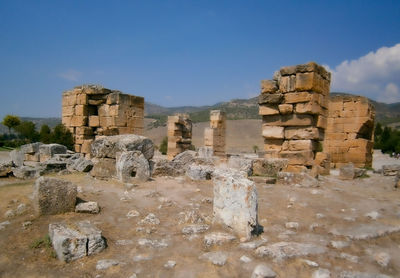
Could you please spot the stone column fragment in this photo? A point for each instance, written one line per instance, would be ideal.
(214, 136)
(179, 134)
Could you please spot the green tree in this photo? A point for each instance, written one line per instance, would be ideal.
(63, 136)
(164, 145)
(255, 148)
(45, 134)
(11, 121)
(27, 130)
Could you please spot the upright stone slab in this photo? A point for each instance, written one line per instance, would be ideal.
(214, 136)
(132, 166)
(53, 196)
(179, 134)
(91, 110)
(294, 110)
(350, 128)
(235, 202)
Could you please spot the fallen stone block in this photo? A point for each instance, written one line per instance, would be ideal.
(17, 157)
(104, 168)
(132, 166)
(235, 202)
(82, 165)
(47, 151)
(349, 172)
(165, 167)
(365, 231)
(241, 164)
(390, 170)
(53, 196)
(263, 271)
(87, 207)
(109, 146)
(268, 167)
(31, 148)
(200, 172)
(75, 241)
(195, 229)
(27, 172)
(53, 166)
(6, 168)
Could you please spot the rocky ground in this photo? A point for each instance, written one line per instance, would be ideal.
(162, 228)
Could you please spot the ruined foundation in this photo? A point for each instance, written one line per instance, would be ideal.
(349, 134)
(91, 110)
(294, 109)
(214, 136)
(179, 134)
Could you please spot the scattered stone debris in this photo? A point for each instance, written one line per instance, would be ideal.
(170, 264)
(150, 219)
(4, 224)
(218, 258)
(263, 271)
(351, 274)
(245, 259)
(195, 229)
(365, 231)
(390, 170)
(253, 244)
(321, 273)
(87, 207)
(105, 264)
(286, 250)
(382, 259)
(218, 238)
(349, 172)
(200, 172)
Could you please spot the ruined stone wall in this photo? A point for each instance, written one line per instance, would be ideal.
(90, 110)
(294, 109)
(214, 136)
(349, 134)
(179, 134)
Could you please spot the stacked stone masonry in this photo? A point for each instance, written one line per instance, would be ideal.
(90, 110)
(179, 134)
(294, 110)
(214, 136)
(350, 129)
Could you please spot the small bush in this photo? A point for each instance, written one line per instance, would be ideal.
(164, 145)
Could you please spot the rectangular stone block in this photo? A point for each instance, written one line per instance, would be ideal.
(298, 157)
(275, 98)
(79, 121)
(311, 81)
(273, 144)
(265, 110)
(86, 146)
(68, 111)
(310, 107)
(66, 120)
(322, 122)
(287, 83)
(94, 121)
(69, 99)
(299, 145)
(104, 110)
(82, 99)
(304, 133)
(285, 108)
(289, 120)
(105, 121)
(77, 148)
(268, 86)
(84, 130)
(273, 132)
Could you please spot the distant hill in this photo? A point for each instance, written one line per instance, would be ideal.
(51, 122)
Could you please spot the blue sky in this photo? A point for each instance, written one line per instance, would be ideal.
(190, 52)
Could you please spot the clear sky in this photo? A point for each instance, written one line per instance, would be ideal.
(190, 52)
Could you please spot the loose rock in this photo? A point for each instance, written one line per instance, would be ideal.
(217, 258)
(263, 271)
(105, 264)
(87, 207)
(217, 238)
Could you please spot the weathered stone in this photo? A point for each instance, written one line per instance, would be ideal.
(348, 172)
(206, 152)
(263, 271)
(75, 241)
(30, 148)
(235, 202)
(106, 264)
(53, 166)
(82, 165)
(165, 167)
(321, 273)
(179, 134)
(365, 231)
(253, 244)
(241, 164)
(268, 86)
(218, 238)
(217, 258)
(350, 274)
(27, 172)
(382, 259)
(199, 172)
(6, 168)
(87, 207)
(286, 250)
(268, 167)
(297, 179)
(390, 170)
(104, 168)
(270, 98)
(53, 196)
(47, 151)
(109, 146)
(273, 132)
(17, 157)
(170, 264)
(152, 243)
(195, 229)
(132, 166)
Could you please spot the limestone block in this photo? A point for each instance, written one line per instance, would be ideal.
(81, 110)
(235, 202)
(304, 133)
(69, 99)
(106, 121)
(53, 196)
(94, 121)
(268, 167)
(273, 144)
(296, 169)
(104, 110)
(273, 132)
(312, 81)
(299, 145)
(271, 154)
(68, 111)
(114, 110)
(78, 121)
(77, 148)
(32, 157)
(287, 83)
(118, 121)
(80, 139)
(268, 110)
(268, 86)
(82, 99)
(298, 157)
(322, 122)
(289, 120)
(84, 130)
(103, 168)
(137, 101)
(289, 70)
(275, 98)
(298, 97)
(132, 166)
(323, 160)
(285, 108)
(113, 98)
(30, 148)
(310, 107)
(86, 146)
(47, 151)
(66, 120)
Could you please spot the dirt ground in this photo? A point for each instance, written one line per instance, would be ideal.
(334, 205)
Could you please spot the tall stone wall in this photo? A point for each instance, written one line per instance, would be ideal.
(349, 134)
(214, 136)
(179, 134)
(294, 110)
(91, 110)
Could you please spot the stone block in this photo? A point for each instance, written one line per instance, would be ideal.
(322, 122)
(32, 157)
(273, 144)
(311, 81)
(323, 161)
(104, 168)
(310, 107)
(289, 120)
(268, 86)
(77, 148)
(86, 146)
(68, 111)
(82, 99)
(84, 130)
(298, 157)
(273, 132)
(287, 84)
(53, 196)
(78, 121)
(69, 99)
(299, 145)
(268, 167)
(81, 110)
(106, 121)
(94, 121)
(235, 202)
(275, 98)
(66, 120)
(265, 110)
(132, 167)
(285, 108)
(304, 133)
(104, 110)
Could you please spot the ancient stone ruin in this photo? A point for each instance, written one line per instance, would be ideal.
(294, 110)
(350, 129)
(179, 134)
(214, 136)
(91, 110)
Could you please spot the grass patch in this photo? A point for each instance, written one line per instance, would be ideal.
(44, 242)
(5, 149)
